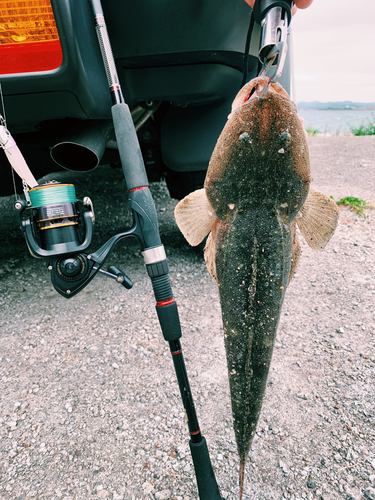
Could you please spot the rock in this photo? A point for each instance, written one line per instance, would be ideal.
(163, 495)
(147, 488)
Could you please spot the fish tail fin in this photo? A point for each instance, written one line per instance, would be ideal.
(242, 476)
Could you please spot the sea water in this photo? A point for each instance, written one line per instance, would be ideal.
(335, 121)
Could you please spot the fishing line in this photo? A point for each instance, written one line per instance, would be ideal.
(2, 105)
(56, 215)
(52, 194)
(247, 48)
(3, 121)
(14, 183)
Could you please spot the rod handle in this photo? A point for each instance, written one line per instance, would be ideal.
(128, 146)
(206, 481)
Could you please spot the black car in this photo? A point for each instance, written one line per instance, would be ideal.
(180, 64)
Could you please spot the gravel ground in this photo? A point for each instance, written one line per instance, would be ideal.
(90, 406)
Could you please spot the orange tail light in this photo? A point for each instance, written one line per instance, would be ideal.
(29, 40)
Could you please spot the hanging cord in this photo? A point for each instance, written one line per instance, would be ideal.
(247, 48)
(3, 121)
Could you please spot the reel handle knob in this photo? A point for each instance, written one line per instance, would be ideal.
(121, 277)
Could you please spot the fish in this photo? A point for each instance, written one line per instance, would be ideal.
(256, 192)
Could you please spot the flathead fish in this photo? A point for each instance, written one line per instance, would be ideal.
(257, 189)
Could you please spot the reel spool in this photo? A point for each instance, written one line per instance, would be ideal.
(50, 222)
(56, 214)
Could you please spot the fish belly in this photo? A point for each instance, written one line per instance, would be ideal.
(253, 259)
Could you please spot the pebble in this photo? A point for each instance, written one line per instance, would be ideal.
(147, 487)
(163, 495)
(302, 396)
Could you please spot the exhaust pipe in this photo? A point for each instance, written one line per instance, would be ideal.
(83, 149)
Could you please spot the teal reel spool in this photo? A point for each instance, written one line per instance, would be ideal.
(52, 193)
(56, 215)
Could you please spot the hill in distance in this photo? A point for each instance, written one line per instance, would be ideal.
(335, 105)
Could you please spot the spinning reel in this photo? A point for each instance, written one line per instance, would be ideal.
(50, 220)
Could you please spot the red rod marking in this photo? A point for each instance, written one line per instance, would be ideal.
(176, 352)
(195, 432)
(137, 189)
(165, 302)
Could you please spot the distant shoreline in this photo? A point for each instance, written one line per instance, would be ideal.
(340, 109)
(339, 121)
(336, 105)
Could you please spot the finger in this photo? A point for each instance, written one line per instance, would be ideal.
(303, 4)
(299, 4)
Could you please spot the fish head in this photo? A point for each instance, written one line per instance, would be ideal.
(261, 157)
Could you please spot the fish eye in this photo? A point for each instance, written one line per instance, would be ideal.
(251, 93)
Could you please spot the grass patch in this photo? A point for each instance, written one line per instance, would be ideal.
(355, 204)
(312, 131)
(367, 127)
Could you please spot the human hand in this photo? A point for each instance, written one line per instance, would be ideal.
(298, 4)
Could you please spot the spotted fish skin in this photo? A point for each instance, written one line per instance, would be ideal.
(256, 191)
(252, 269)
(257, 181)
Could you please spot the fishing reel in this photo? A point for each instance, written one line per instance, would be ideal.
(50, 220)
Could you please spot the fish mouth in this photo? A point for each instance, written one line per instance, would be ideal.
(254, 90)
(258, 91)
(257, 88)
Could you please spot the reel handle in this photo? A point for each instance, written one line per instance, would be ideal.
(121, 277)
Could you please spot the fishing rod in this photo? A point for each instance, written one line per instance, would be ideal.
(144, 212)
(50, 219)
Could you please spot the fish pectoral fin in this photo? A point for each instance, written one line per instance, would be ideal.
(317, 219)
(210, 256)
(195, 216)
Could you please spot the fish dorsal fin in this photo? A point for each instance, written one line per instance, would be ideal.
(317, 219)
(210, 256)
(195, 216)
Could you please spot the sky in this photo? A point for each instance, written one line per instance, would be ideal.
(334, 51)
